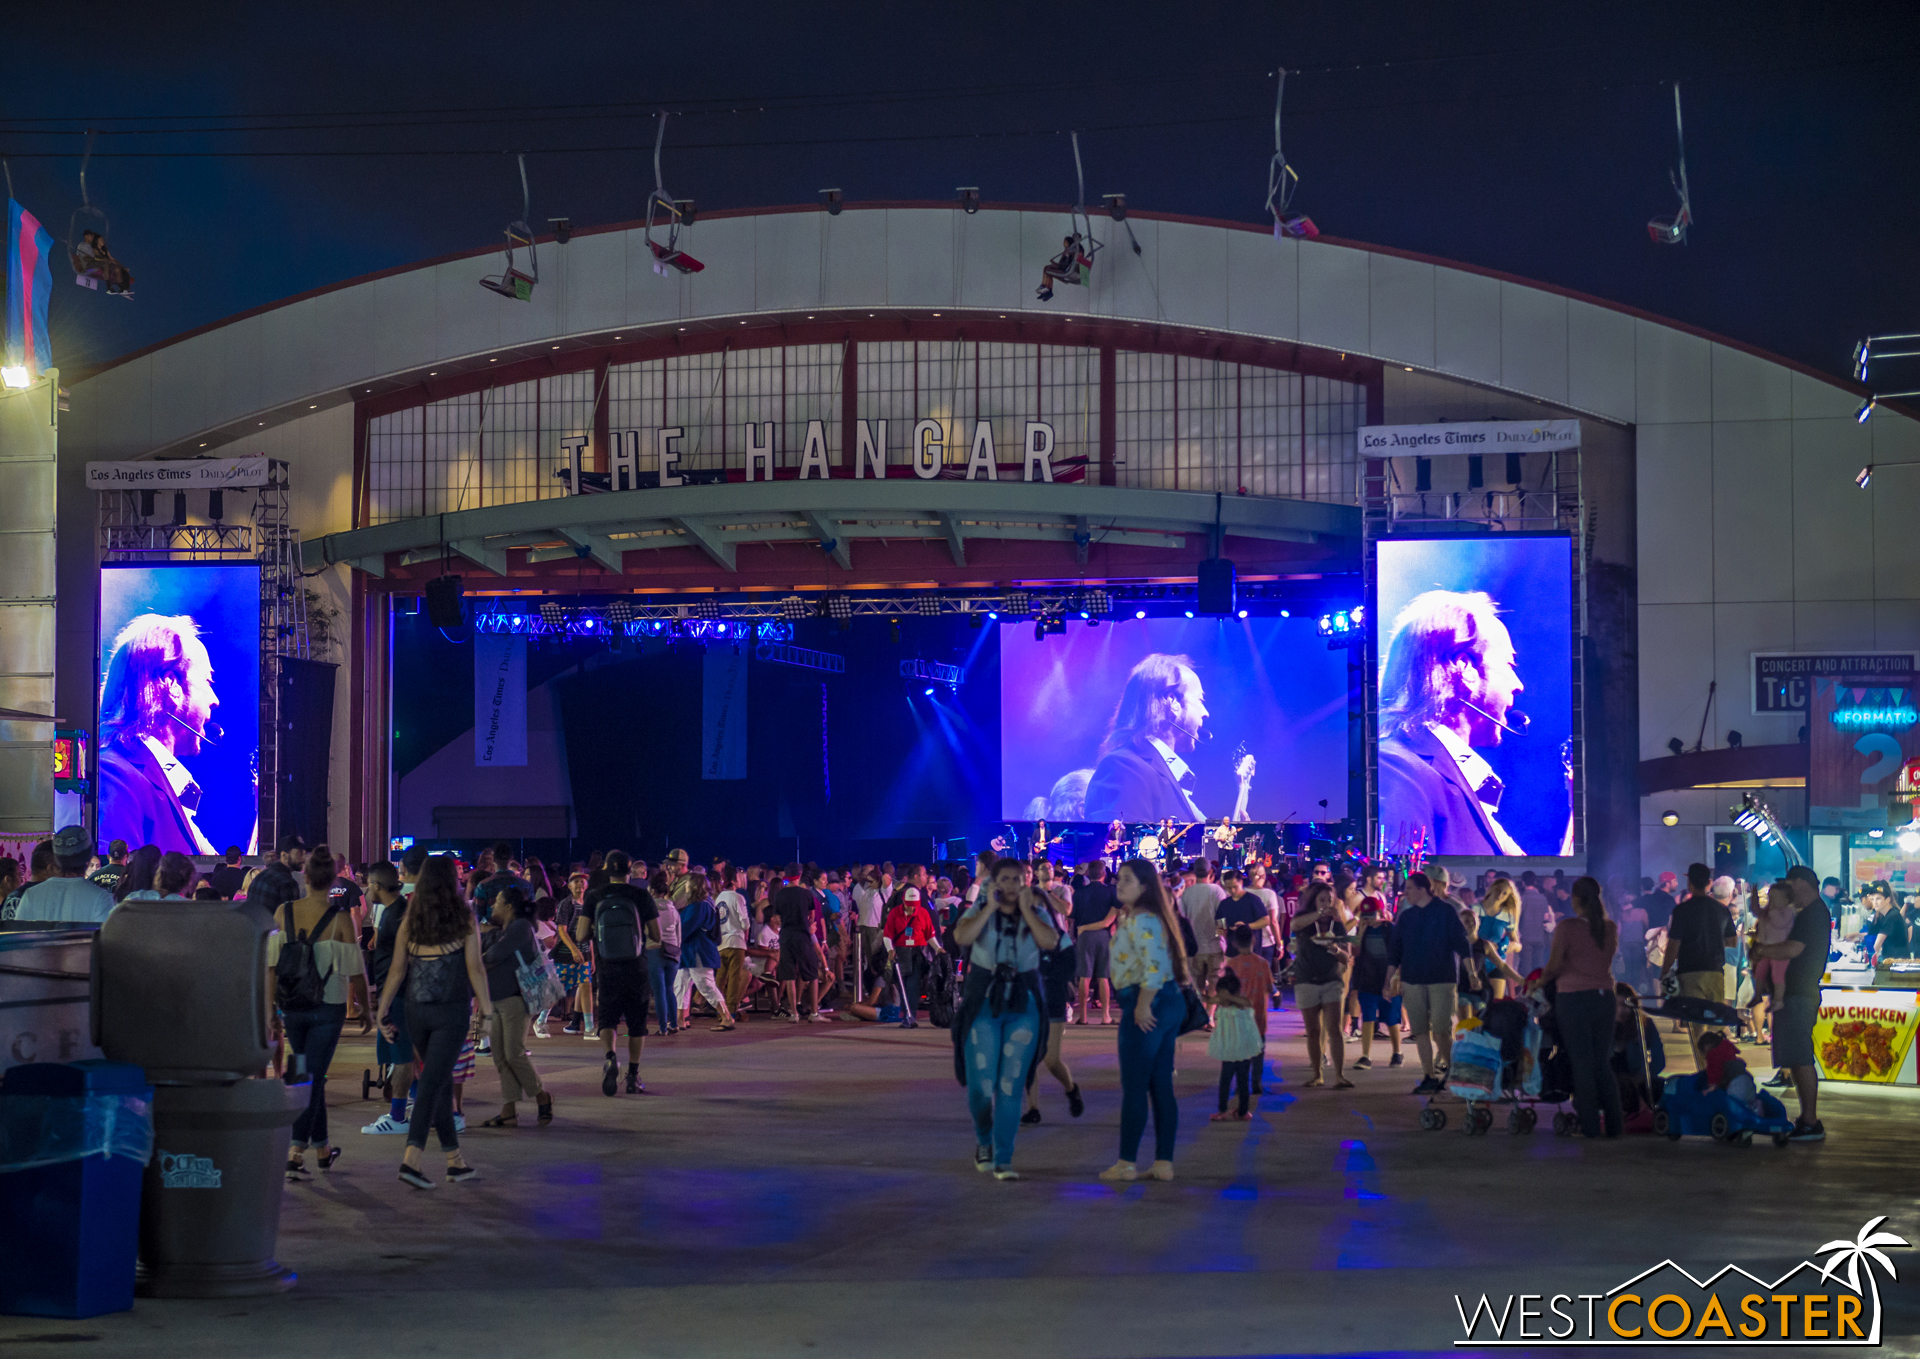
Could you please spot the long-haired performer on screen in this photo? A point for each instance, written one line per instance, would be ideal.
(156, 703)
(1447, 687)
(1141, 775)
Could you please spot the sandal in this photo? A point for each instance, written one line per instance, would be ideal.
(509, 1120)
(1315, 1082)
(1343, 1084)
(723, 1028)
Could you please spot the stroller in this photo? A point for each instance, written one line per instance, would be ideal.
(943, 988)
(1509, 1059)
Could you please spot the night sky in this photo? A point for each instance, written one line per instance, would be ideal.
(1526, 138)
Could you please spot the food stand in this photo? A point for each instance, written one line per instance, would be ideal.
(1864, 1031)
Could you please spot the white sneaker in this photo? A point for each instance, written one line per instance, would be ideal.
(540, 1031)
(386, 1123)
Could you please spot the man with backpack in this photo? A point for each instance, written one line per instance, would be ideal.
(622, 919)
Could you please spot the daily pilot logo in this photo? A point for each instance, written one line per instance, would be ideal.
(1808, 1305)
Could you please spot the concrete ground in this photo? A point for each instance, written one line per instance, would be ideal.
(809, 1190)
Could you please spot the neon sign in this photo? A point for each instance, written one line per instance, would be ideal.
(1899, 715)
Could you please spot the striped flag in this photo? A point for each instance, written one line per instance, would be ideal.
(29, 281)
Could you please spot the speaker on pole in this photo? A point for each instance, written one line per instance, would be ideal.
(443, 602)
(1216, 594)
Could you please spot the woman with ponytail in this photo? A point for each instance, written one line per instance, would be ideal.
(1581, 967)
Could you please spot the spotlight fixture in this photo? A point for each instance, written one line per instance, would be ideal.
(969, 200)
(1189, 613)
(839, 607)
(973, 620)
(994, 614)
(1286, 613)
(707, 608)
(1860, 356)
(620, 612)
(793, 608)
(1676, 745)
(553, 615)
(1734, 739)
(927, 692)
(1865, 412)
(928, 606)
(831, 199)
(1019, 602)
(1139, 613)
(562, 229)
(1098, 603)
(1669, 818)
(893, 631)
(1243, 613)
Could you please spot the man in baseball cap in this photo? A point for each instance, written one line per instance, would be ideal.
(67, 895)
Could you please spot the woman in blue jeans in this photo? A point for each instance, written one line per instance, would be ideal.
(1148, 966)
(313, 1031)
(1002, 1025)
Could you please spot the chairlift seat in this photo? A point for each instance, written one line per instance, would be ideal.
(1297, 225)
(512, 284)
(1663, 231)
(665, 258)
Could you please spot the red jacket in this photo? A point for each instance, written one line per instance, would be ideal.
(908, 925)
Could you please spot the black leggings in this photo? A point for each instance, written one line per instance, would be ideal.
(437, 1031)
(1240, 1073)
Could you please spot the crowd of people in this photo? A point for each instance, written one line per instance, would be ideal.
(450, 962)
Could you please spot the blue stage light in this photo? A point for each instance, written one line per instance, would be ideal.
(928, 691)
(1243, 613)
(1139, 613)
(1189, 613)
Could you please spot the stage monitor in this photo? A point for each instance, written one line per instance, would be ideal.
(1475, 642)
(179, 716)
(1144, 719)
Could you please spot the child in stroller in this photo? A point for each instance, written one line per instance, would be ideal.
(1503, 1060)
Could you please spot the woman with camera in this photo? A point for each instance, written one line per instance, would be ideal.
(1148, 966)
(1002, 1022)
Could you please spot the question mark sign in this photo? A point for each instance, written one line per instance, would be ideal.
(1888, 749)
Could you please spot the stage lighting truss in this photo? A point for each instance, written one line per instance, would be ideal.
(935, 672)
(1018, 603)
(929, 606)
(839, 607)
(793, 608)
(706, 608)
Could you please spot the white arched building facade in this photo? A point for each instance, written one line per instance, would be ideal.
(1723, 516)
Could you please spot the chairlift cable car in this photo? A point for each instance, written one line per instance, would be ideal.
(1673, 230)
(1075, 260)
(512, 282)
(1283, 181)
(93, 263)
(673, 214)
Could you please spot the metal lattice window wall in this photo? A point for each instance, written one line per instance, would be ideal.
(1180, 423)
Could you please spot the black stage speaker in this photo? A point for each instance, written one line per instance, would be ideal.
(443, 602)
(1216, 588)
(306, 739)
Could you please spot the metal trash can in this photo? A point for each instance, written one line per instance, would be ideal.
(74, 1141)
(211, 1211)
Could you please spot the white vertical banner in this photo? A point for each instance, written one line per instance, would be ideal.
(723, 713)
(499, 700)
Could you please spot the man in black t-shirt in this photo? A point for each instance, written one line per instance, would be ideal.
(794, 907)
(1886, 928)
(226, 879)
(1697, 940)
(1094, 911)
(108, 875)
(1658, 902)
(620, 984)
(1805, 950)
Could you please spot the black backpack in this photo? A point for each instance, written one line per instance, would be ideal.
(298, 982)
(616, 928)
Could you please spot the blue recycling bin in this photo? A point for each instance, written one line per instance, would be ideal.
(75, 1139)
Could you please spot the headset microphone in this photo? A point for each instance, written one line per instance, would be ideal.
(1520, 719)
(212, 733)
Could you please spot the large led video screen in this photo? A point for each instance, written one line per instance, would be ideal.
(179, 718)
(1194, 719)
(1475, 642)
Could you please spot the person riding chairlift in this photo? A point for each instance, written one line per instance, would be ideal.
(1067, 267)
(92, 260)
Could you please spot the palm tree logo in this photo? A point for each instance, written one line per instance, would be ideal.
(1865, 1246)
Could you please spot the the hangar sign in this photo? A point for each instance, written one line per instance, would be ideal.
(651, 458)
